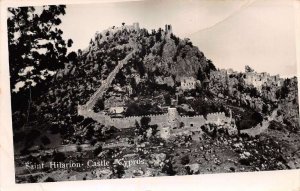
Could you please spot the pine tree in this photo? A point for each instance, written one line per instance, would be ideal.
(35, 42)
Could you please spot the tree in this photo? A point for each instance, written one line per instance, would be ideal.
(200, 75)
(167, 99)
(145, 121)
(78, 148)
(49, 179)
(176, 39)
(265, 109)
(120, 78)
(32, 136)
(72, 56)
(158, 35)
(257, 117)
(59, 157)
(36, 46)
(99, 106)
(97, 150)
(137, 125)
(185, 160)
(211, 65)
(45, 140)
(168, 168)
(119, 171)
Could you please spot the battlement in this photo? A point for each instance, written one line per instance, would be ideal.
(216, 114)
(111, 30)
(171, 117)
(166, 122)
(194, 116)
(134, 27)
(168, 29)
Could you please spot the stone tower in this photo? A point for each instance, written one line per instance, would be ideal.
(136, 26)
(173, 117)
(168, 29)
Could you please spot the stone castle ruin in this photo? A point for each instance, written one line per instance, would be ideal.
(168, 30)
(259, 79)
(188, 83)
(134, 27)
(166, 122)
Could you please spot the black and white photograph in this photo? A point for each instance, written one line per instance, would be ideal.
(132, 89)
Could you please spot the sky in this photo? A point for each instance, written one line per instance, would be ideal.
(232, 33)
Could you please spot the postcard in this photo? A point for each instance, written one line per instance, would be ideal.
(139, 89)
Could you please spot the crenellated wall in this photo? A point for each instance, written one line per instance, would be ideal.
(193, 121)
(199, 120)
(166, 119)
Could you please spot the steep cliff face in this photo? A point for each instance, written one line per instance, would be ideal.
(288, 104)
(176, 57)
(273, 93)
(157, 51)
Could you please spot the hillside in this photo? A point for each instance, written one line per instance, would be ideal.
(157, 52)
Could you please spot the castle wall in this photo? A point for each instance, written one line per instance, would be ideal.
(194, 121)
(216, 117)
(167, 119)
(127, 122)
(122, 123)
(199, 120)
(257, 130)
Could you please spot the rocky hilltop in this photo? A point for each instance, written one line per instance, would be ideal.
(159, 51)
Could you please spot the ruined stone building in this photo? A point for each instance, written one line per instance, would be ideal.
(188, 83)
(260, 79)
(168, 30)
(116, 110)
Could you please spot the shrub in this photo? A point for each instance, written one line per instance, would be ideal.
(49, 179)
(59, 157)
(33, 134)
(99, 105)
(119, 171)
(45, 140)
(145, 121)
(19, 136)
(54, 129)
(257, 117)
(185, 160)
(97, 151)
(168, 169)
(78, 148)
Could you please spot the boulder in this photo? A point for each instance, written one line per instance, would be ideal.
(193, 168)
(157, 159)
